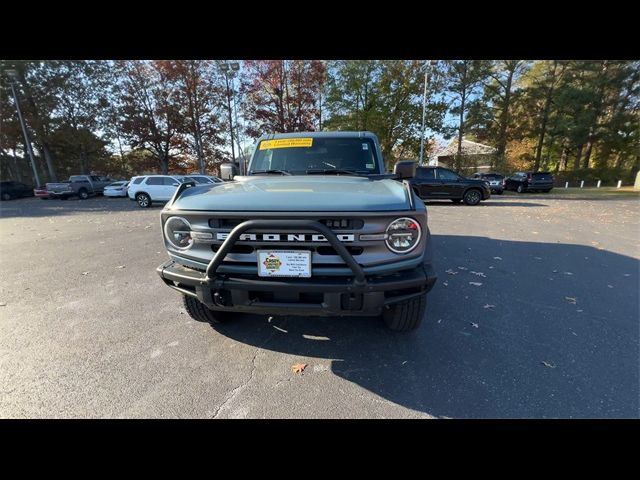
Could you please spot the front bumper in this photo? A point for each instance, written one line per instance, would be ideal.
(323, 296)
(354, 294)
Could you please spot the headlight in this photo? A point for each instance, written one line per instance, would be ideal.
(403, 235)
(177, 231)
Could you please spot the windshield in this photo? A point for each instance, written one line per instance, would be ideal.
(302, 155)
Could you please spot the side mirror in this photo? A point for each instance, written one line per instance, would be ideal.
(228, 171)
(405, 169)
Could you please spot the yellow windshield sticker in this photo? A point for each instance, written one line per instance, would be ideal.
(286, 143)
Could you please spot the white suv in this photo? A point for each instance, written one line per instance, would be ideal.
(152, 188)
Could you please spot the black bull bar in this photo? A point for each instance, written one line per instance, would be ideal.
(227, 245)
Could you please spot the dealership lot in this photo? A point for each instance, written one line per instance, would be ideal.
(535, 314)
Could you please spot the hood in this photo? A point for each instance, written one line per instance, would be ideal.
(298, 193)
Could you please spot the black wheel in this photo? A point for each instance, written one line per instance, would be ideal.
(143, 200)
(6, 196)
(520, 189)
(83, 194)
(200, 312)
(456, 200)
(406, 316)
(472, 197)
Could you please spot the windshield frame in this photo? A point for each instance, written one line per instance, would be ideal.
(259, 163)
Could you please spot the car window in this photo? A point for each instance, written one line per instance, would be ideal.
(542, 176)
(170, 181)
(78, 178)
(426, 173)
(155, 181)
(447, 175)
(138, 180)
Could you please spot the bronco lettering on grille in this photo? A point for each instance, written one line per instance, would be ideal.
(291, 237)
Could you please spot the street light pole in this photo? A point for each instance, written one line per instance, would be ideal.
(424, 109)
(25, 133)
(225, 68)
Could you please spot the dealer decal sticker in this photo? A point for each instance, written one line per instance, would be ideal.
(286, 143)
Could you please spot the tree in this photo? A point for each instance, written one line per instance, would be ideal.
(464, 79)
(150, 110)
(491, 116)
(200, 95)
(384, 97)
(281, 95)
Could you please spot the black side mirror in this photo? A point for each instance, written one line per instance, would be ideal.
(228, 171)
(405, 169)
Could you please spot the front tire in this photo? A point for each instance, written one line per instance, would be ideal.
(200, 312)
(144, 201)
(472, 197)
(6, 196)
(83, 194)
(406, 316)
(520, 189)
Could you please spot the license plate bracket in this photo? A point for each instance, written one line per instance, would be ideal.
(284, 263)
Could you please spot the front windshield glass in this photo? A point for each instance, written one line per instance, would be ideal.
(301, 155)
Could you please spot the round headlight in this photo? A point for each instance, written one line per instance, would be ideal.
(177, 231)
(403, 235)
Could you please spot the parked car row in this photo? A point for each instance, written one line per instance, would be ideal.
(436, 183)
(156, 187)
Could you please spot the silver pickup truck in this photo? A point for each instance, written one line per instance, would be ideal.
(81, 186)
(315, 228)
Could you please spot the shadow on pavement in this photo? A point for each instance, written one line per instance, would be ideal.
(551, 332)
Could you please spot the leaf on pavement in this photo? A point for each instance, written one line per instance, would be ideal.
(571, 300)
(479, 274)
(121, 266)
(474, 325)
(546, 364)
(451, 272)
(3, 304)
(497, 258)
(463, 268)
(85, 273)
(477, 284)
(489, 306)
(567, 273)
(298, 367)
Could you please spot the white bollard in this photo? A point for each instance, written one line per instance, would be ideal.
(582, 184)
(566, 185)
(619, 183)
(599, 182)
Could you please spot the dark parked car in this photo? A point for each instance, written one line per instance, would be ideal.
(529, 182)
(435, 183)
(495, 181)
(11, 189)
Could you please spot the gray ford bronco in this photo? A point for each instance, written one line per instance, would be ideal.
(315, 228)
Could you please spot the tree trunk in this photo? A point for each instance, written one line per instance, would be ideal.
(545, 116)
(576, 162)
(587, 153)
(83, 160)
(39, 127)
(504, 121)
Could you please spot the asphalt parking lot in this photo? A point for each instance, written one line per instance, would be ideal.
(535, 314)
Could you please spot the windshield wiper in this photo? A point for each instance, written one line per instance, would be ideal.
(337, 171)
(281, 172)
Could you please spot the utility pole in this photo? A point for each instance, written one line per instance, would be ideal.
(12, 75)
(424, 108)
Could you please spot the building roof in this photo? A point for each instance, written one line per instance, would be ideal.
(468, 148)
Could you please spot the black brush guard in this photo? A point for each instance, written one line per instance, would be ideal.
(340, 296)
